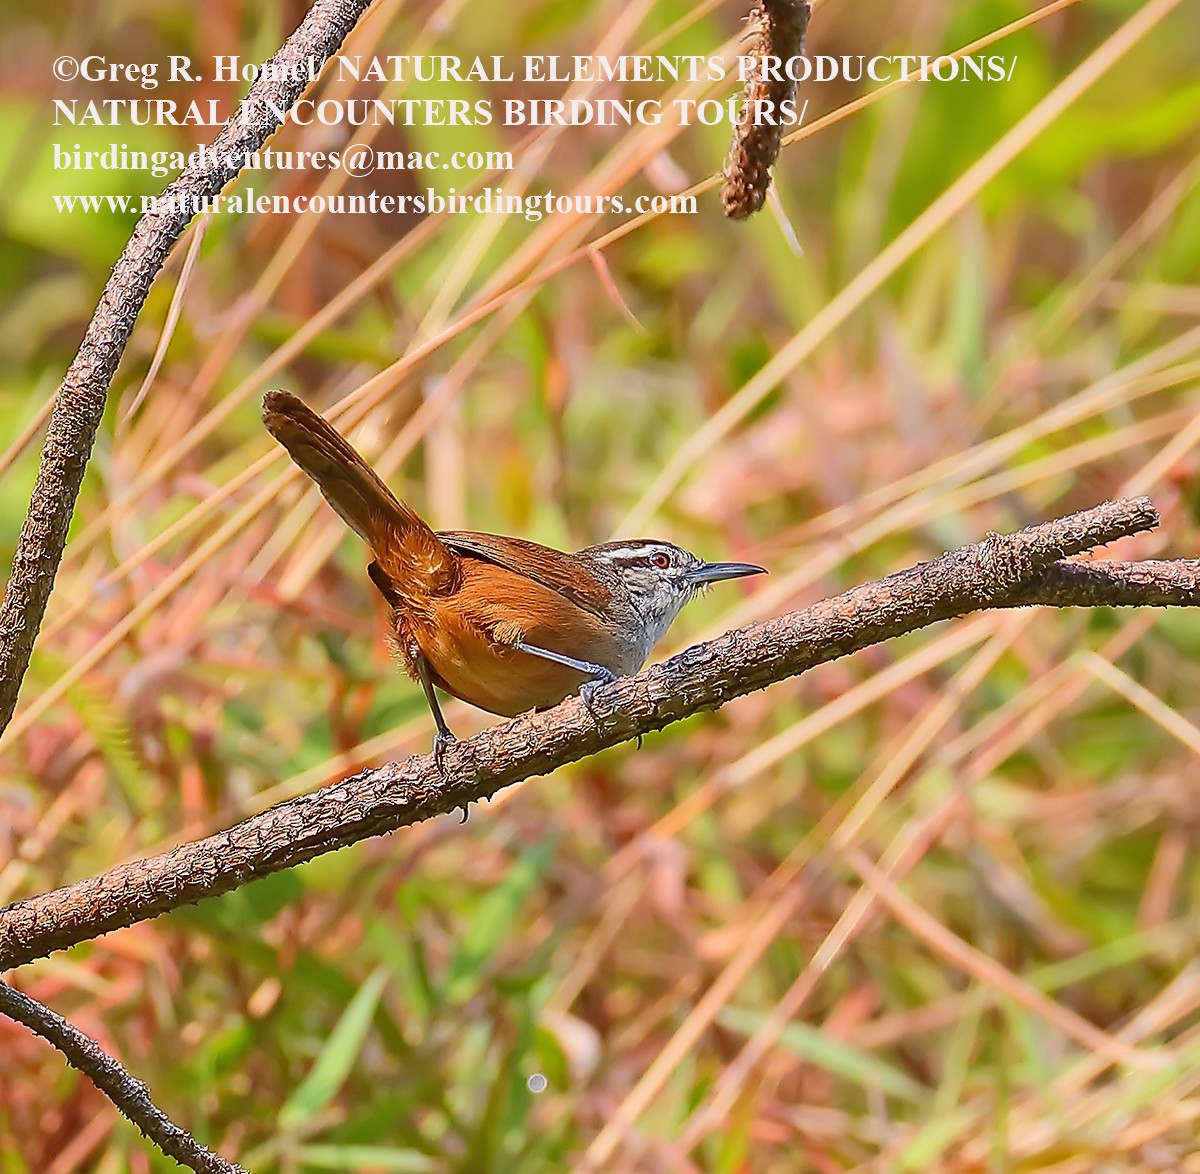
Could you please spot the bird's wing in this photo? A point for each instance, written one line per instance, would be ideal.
(559, 572)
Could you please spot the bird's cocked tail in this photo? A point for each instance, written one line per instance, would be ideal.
(408, 552)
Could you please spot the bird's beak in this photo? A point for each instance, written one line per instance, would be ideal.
(707, 573)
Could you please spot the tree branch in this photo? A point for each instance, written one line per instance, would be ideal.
(81, 398)
(1105, 583)
(78, 409)
(1013, 571)
(128, 1093)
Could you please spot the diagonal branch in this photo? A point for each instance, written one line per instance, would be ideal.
(128, 1093)
(81, 398)
(1003, 571)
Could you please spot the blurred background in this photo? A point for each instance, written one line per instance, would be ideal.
(931, 907)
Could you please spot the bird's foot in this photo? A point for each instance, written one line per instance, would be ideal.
(587, 690)
(442, 741)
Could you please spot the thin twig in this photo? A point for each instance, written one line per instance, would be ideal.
(81, 398)
(128, 1093)
(1013, 571)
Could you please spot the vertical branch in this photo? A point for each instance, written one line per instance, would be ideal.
(82, 396)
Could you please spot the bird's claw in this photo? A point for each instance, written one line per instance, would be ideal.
(588, 689)
(442, 741)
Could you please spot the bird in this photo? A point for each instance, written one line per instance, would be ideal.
(505, 624)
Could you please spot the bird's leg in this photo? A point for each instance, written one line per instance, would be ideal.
(597, 673)
(444, 738)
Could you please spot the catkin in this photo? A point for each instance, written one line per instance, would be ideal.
(777, 28)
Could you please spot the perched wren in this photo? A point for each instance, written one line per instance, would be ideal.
(502, 623)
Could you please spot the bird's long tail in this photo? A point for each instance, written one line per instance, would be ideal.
(409, 553)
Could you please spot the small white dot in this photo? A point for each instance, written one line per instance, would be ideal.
(537, 1083)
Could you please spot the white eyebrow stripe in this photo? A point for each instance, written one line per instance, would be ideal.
(628, 554)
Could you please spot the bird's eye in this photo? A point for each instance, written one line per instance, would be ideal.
(660, 559)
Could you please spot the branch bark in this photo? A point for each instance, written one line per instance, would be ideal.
(84, 390)
(128, 1093)
(1013, 571)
